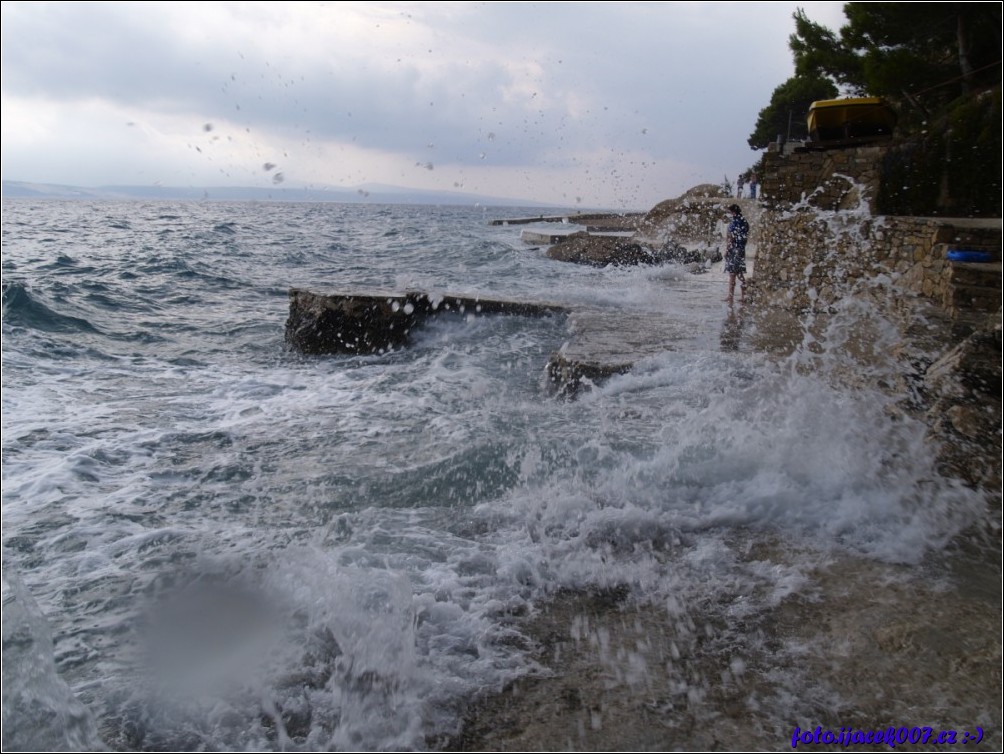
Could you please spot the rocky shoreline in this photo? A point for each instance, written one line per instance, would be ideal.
(957, 388)
(886, 647)
(864, 645)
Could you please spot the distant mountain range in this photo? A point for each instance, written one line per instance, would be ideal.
(369, 194)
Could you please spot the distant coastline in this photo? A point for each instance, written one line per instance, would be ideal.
(369, 194)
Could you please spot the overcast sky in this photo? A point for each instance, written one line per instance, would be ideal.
(605, 104)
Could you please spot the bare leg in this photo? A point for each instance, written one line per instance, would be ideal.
(732, 286)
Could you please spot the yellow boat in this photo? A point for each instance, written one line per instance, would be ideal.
(850, 118)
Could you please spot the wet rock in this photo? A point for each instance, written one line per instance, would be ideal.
(366, 323)
(707, 190)
(671, 251)
(600, 251)
(320, 324)
(971, 421)
(886, 644)
(963, 388)
(567, 377)
(688, 219)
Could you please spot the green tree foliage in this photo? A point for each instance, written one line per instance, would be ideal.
(939, 66)
(952, 168)
(819, 53)
(785, 115)
(925, 53)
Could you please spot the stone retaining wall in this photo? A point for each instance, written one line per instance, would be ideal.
(807, 258)
(819, 246)
(830, 179)
(818, 235)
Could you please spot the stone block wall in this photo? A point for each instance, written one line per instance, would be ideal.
(827, 179)
(820, 246)
(818, 235)
(807, 258)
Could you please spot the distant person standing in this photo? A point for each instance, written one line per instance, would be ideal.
(739, 184)
(735, 252)
(752, 185)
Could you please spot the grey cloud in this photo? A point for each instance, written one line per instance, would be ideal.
(678, 82)
(77, 51)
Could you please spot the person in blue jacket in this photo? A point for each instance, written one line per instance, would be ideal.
(735, 251)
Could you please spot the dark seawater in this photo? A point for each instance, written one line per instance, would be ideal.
(210, 542)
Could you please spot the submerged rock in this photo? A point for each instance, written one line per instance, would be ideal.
(566, 376)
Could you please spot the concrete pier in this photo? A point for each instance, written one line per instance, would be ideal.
(363, 322)
(542, 239)
(545, 238)
(598, 221)
(602, 342)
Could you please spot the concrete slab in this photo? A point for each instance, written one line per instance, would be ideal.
(601, 341)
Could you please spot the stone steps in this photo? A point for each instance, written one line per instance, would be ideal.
(974, 287)
(974, 290)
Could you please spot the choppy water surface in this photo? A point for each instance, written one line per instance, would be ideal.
(210, 542)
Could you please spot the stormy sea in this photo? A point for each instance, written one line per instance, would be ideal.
(211, 542)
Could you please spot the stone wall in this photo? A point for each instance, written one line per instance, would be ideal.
(820, 247)
(827, 179)
(808, 258)
(818, 235)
